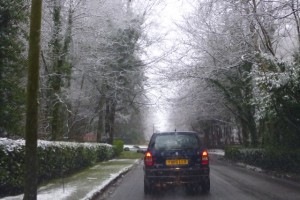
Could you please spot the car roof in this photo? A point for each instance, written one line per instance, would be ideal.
(155, 135)
(174, 132)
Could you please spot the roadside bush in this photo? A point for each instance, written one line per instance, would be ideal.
(118, 146)
(281, 160)
(11, 170)
(253, 156)
(56, 159)
(105, 153)
(233, 153)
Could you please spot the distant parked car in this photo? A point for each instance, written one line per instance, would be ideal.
(176, 158)
(134, 148)
(142, 150)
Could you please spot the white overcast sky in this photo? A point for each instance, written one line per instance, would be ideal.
(163, 19)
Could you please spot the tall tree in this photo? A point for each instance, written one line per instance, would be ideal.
(57, 67)
(13, 15)
(31, 165)
(111, 72)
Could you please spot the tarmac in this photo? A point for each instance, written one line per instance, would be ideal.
(84, 185)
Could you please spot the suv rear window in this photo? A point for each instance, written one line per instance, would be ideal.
(176, 141)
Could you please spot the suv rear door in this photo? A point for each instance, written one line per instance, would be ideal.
(175, 149)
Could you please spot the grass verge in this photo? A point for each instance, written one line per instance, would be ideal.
(130, 155)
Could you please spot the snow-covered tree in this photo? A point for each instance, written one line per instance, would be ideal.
(58, 19)
(241, 48)
(108, 73)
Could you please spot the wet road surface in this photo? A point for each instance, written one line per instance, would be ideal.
(227, 182)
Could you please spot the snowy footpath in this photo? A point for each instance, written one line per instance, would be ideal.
(84, 185)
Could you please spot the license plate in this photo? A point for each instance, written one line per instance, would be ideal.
(177, 162)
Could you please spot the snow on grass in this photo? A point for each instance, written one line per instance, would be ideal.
(104, 184)
(219, 152)
(48, 194)
(84, 185)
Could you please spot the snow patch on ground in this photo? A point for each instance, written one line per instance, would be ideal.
(219, 152)
(105, 183)
(48, 194)
(250, 167)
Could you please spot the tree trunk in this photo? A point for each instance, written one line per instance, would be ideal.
(100, 120)
(112, 122)
(61, 71)
(106, 123)
(31, 165)
(56, 122)
(245, 133)
(253, 132)
(239, 135)
(297, 21)
(110, 112)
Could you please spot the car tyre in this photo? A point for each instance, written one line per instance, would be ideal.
(205, 186)
(190, 189)
(147, 188)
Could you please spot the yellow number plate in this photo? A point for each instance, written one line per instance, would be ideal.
(177, 162)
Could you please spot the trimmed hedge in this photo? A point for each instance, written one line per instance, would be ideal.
(269, 159)
(118, 146)
(55, 159)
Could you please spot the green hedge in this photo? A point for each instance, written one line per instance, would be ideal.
(118, 146)
(56, 159)
(281, 160)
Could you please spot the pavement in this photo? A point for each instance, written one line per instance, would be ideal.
(84, 185)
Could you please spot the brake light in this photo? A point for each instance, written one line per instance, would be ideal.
(148, 159)
(204, 157)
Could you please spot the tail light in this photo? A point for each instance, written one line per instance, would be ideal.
(204, 157)
(148, 159)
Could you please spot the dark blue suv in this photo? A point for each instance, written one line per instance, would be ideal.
(176, 158)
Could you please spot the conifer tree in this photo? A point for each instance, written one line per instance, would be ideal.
(13, 14)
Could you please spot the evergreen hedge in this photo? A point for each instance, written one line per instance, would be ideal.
(272, 159)
(118, 146)
(56, 159)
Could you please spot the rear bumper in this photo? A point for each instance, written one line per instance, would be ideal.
(176, 176)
